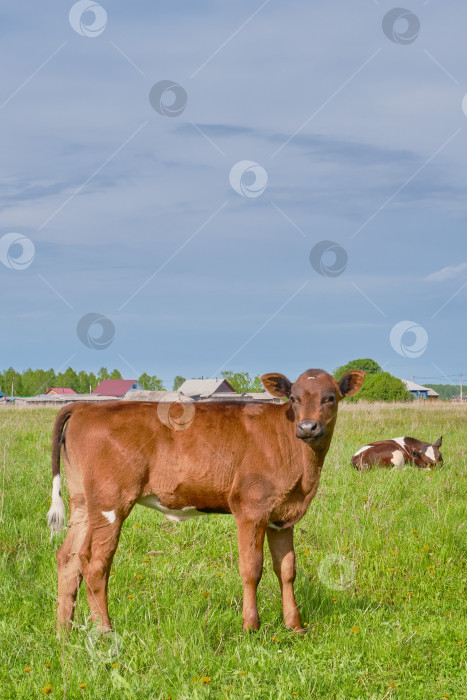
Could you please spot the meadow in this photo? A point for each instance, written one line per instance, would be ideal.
(380, 583)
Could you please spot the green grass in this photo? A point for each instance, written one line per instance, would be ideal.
(387, 622)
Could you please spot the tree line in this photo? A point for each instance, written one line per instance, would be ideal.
(32, 382)
(378, 385)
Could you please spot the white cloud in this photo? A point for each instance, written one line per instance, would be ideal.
(447, 273)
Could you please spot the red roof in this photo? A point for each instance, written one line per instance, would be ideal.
(60, 390)
(115, 387)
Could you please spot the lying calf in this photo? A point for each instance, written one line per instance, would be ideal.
(397, 452)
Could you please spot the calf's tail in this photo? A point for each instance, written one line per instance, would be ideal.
(56, 514)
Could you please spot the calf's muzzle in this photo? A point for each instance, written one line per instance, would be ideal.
(309, 429)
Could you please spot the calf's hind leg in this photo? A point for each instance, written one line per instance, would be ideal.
(96, 558)
(283, 560)
(68, 563)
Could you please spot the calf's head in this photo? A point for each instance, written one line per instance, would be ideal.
(314, 398)
(427, 455)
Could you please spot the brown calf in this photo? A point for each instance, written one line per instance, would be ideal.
(397, 452)
(261, 463)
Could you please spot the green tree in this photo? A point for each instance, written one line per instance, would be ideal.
(151, 383)
(115, 374)
(93, 380)
(445, 391)
(10, 378)
(178, 381)
(37, 381)
(68, 379)
(382, 387)
(102, 374)
(85, 381)
(242, 382)
(366, 364)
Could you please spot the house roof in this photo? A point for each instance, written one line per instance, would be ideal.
(205, 387)
(413, 386)
(260, 396)
(141, 395)
(114, 387)
(60, 390)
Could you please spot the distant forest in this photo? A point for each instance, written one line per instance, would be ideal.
(379, 385)
(445, 391)
(37, 381)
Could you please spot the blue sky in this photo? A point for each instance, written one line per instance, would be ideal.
(132, 214)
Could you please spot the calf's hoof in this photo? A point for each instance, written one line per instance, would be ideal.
(251, 625)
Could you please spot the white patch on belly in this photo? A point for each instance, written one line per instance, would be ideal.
(430, 453)
(362, 449)
(110, 515)
(398, 458)
(400, 441)
(175, 515)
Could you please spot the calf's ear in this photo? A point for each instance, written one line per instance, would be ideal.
(277, 384)
(438, 442)
(351, 382)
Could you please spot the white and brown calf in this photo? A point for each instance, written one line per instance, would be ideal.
(398, 452)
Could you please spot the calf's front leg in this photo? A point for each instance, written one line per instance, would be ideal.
(250, 550)
(283, 560)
